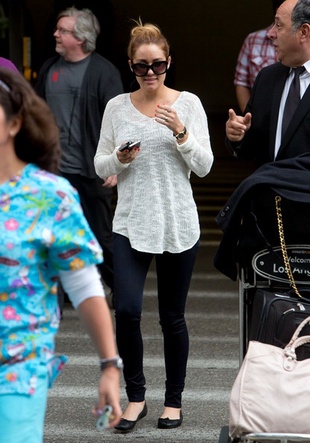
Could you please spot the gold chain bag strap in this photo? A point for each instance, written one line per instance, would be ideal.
(287, 264)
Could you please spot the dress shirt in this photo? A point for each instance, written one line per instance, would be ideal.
(304, 83)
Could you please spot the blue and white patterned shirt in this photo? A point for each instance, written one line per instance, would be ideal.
(42, 230)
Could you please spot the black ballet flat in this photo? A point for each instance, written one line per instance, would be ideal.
(167, 423)
(128, 425)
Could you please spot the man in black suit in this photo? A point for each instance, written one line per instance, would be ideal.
(257, 134)
(284, 159)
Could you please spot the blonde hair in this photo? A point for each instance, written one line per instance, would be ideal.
(146, 34)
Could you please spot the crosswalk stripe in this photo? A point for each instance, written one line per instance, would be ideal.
(197, 276)
(194, 339)
(189, 315)
(77, 391)
(194, 363)
(208, 294)
(184, 434)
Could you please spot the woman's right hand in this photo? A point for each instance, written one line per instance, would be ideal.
(128, 156)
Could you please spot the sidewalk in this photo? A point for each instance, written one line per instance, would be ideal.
(212, 316)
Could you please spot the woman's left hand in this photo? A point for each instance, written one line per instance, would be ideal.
(167, 116)
(109, 394)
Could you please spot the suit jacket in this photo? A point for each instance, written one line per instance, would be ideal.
(259, 141)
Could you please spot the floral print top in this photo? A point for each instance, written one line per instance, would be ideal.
(42, 230)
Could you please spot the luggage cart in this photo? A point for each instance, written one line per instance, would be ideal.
(264, 437)
(260, 266)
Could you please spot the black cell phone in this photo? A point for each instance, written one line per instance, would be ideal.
(129, 146)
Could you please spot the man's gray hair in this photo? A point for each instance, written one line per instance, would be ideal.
(86, 28)
(300, 14)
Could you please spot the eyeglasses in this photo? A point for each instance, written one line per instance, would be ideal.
(5, 86)
(63, 31)
(141, 69)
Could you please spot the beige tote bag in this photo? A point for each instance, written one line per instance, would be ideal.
(271, 392)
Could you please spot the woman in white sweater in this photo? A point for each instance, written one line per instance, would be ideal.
(156, 215)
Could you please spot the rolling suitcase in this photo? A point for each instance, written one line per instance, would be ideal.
(275, 317)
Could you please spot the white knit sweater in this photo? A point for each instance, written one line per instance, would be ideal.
(155, 205)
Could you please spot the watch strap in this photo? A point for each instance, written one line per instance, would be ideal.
(181, 134)
(114, 362)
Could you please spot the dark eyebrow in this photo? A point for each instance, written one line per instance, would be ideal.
(153, 61)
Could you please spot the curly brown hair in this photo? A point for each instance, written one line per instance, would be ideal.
(38, 138)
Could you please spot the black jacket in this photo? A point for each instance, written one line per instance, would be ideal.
(259, 142)
(289, 178)
(101, 82)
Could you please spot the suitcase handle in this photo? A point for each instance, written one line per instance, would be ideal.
(303, 293)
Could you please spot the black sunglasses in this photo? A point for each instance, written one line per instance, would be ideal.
(141, 69)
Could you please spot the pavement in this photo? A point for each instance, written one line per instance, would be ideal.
(212, 317)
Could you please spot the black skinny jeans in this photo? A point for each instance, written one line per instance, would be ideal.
(174, 272)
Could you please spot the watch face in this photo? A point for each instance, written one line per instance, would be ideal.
(181, 135)
(119, 363)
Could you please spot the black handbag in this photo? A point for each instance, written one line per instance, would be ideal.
(275, 314)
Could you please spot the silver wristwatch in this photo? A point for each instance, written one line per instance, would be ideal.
(115, 362)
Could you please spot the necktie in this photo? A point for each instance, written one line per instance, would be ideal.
(293, 98)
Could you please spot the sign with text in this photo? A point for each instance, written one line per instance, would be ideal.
(270, 264)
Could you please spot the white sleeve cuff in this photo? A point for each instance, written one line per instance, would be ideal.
(82, 284)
